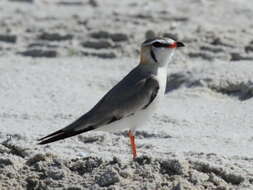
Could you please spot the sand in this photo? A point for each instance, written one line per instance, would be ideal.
(58, 58)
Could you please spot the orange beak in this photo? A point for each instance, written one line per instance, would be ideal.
(176, 45)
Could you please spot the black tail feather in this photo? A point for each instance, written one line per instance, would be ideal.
(62, 134)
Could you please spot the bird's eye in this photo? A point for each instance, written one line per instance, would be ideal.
(157, 44)
(160, 45)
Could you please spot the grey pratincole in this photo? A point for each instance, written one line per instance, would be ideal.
(129, 103)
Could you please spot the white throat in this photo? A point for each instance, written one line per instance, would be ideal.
(162, 71)
(164, 60)
(162, 78)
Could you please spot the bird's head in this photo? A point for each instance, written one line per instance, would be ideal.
(158, 51)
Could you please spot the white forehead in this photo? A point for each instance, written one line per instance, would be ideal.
(149, 42)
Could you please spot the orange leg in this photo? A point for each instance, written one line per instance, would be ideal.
(133, 146)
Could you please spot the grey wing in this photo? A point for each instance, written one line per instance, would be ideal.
(123, 100)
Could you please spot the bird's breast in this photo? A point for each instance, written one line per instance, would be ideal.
(162, 79)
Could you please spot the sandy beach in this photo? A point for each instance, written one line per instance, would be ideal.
(59, 57)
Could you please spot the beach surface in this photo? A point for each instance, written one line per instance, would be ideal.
(58, 58)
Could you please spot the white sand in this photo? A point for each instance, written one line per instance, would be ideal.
(201, 136)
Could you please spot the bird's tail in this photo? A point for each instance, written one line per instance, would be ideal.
(66, 132)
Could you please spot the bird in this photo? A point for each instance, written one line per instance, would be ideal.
(132, 101)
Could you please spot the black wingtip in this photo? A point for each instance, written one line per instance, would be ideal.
(62, 134)
(50, 135)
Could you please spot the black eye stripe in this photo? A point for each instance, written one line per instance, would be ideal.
(158, 45)
(153, 55)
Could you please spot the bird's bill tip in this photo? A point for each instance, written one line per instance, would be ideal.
(180, 44)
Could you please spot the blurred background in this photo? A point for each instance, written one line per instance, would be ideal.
(109, 29)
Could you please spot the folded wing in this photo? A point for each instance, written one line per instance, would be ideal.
(133, 93)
